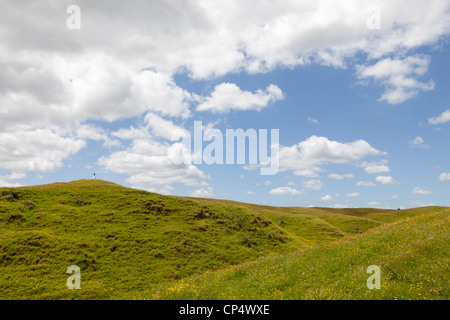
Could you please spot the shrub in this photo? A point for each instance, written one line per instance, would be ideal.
(16, 217)
(81, 202)
(10, 195)
(29, 204)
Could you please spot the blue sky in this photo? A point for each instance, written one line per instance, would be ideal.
(361, 111)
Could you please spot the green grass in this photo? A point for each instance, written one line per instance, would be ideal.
(131, 243)
(413, 255)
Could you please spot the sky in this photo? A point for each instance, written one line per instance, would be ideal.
(358, 91)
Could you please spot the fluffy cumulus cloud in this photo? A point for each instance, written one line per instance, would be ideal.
(36, 150)
(147, 163)
(442, 118)
(162, 128)
(365, 184)
(418, 142)
(399, 76)
(337, 176)
(307, 157)
(205, 192)
(7, 184)
(376, 166)
(97, 134)
(444, 177)
(327, 198)
(166, 189)
(285, 191)
(387, 180)
(313, 184)
(228, 96)
(123, 63)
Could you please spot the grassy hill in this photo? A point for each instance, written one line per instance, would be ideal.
(413, 256)
(131, 243)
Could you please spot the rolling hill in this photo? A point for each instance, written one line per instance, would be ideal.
(131, 244)
(413, 255)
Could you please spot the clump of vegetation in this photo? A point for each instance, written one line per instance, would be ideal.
(156, 208)
(30, 205)
(203, 213)
(15, 217)
(80, 202)
(10, 195)
(34, 241)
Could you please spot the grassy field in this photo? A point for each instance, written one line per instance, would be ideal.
(140, 245)
(413, 256)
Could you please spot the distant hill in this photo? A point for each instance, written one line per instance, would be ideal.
(128, 242)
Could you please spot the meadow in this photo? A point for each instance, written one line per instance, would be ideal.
(132, 244)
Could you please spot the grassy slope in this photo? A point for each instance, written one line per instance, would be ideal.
(129, 241)
(123, 240)
(413, 255)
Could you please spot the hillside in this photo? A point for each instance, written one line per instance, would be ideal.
(413, 255)
(129, 241)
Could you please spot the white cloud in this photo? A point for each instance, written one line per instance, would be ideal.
(418, 190)
(373, 203)
(442, 118)
(205, 192)
(96, 134)
(387, 180)
(444, 177)
(418, 142)
(4, 183)
(340, 206)
(313, 121)
(132, 133)
(365, 184)
(14, 176)
(313, 184)
(87, 75)
(306, 157)
(37, 150)
(307, 173)
(399, 77)
(228, 96)
(163, 128)
(98, 87)
(327, 198)
(148, 164)
(285, 191)
(167, 190)
(353, 194)
(249, 192)
(337, 176)
(376, 167)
